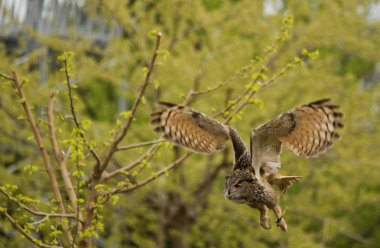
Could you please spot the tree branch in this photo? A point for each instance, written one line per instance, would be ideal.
(44, 153)
(77, 124)
(23, 232)
(131, 165)
(223, 83)
(6, 77)
(151, 178)
(249, 93)
(133, 146)
(119, 136)
(60, 160)
(37, 213)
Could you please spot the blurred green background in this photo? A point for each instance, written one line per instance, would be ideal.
(336, 204)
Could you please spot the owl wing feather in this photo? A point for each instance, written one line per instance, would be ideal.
(191, 129)
(307, 130)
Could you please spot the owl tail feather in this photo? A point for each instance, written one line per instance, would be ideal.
(283, 182)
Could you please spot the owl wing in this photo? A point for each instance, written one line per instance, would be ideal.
(189, 128)
(306, 130)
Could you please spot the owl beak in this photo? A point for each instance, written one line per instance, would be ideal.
(227, 194)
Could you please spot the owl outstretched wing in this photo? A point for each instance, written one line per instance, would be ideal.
(307, 130)
(189, 128)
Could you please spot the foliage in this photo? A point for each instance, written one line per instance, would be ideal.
(215, 56)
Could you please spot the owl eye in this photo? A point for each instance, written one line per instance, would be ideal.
(237, 186)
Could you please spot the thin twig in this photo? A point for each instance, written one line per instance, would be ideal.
(27, 235)
(6, 77)
(248, 94)
(75, 118)
(59, 157)
(128, 147)
(151, 178)
(238, 99)
(77, 202)
(37, 213)
(147, 159)
(39, 221)
(222, 84)
(63, 167)
(43, 150)
(131, 165)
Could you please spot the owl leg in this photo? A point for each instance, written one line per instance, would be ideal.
(280, 219)
(264, 219)
(257, 174)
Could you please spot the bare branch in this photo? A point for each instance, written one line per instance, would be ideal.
(222, 84)
(44, 153)
(62, 163)
(23, 232)
(6, 77)
(151, 178)
(37, 213)
(77, 124)
(248, 93)
(128, 147)
(237, 100)
(150, 152)
(39, 221)
(120, 136)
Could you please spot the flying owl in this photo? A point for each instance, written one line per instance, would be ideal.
(306, 130)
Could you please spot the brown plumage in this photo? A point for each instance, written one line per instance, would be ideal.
(307, 130)
(190, 128)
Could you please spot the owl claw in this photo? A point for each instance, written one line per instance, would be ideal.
(265, 223)
(282, 224)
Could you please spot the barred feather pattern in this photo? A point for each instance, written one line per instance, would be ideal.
(315, 128)
(190, 128)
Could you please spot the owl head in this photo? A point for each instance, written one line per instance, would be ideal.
(238, 186)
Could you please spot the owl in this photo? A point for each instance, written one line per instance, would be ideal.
(307, 130)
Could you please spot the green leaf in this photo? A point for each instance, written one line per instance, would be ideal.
(114, 199)
(156, 84)
(126, 115)
(86, 124)
(30, 168)
(145, 71)
(153, 33)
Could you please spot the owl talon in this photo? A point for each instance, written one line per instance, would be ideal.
(279, 220)
(265, 223)
(282, 224)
